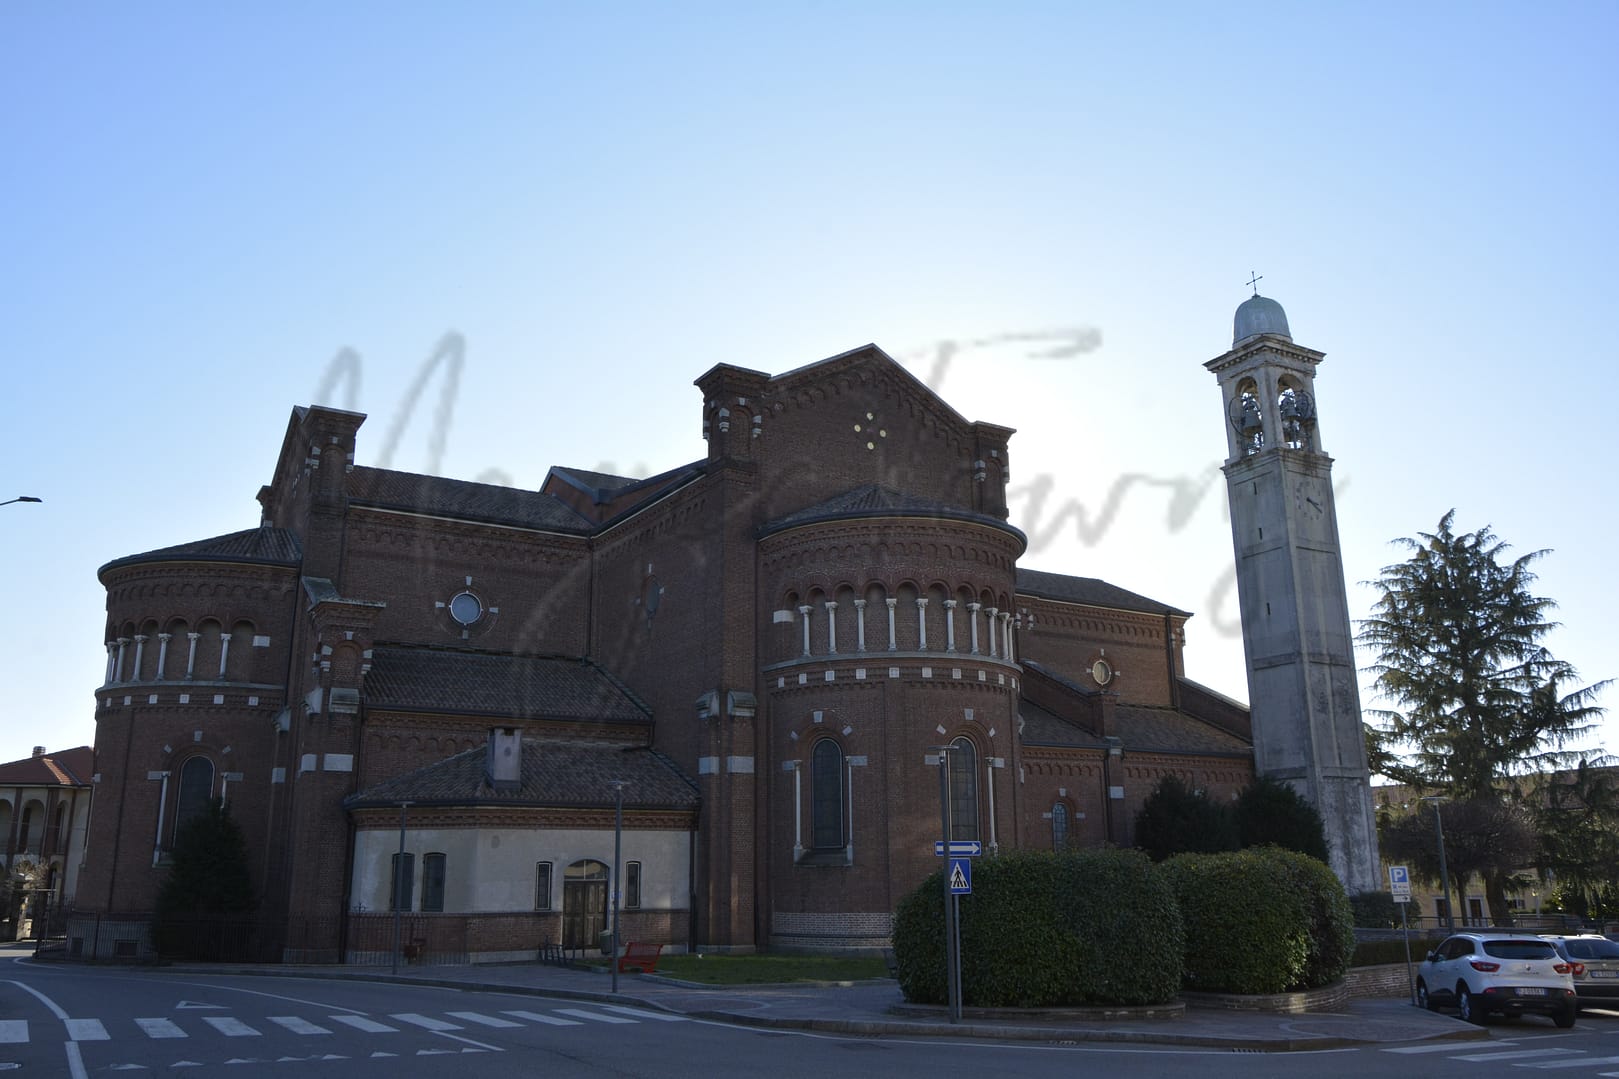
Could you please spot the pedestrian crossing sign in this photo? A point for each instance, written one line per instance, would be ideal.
(961, 876)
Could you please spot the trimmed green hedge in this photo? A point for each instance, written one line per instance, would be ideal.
(1244, 920)
(1043, 929)
(1330, 929)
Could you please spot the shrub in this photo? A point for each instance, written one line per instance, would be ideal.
(1175, 818)
(1043, 929)
(1271, 813)
(1374, 910)
(1244, 919)
(1330, 925)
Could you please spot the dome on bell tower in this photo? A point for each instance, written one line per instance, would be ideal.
(1259, 314)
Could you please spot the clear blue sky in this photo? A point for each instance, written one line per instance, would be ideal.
(204, 204)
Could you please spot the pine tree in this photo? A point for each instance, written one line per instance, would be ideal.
(1477, 695)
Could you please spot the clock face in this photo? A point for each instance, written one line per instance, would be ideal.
(1309, 500)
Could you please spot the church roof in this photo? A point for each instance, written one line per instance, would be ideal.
(1140, 728)
(553, 773)
(383, 488)
(66, 768)
(266, 545)
(876, 500)
(1090, 591)
(466, 682)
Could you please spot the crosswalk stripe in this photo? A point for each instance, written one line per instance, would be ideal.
(485, 1020)
(1442, 1047)
(231, 1028)
(160, 1028)
(595, 1017)
(424, 1021)
(1514, 1054)
(662, 1017)
(360, 1022)
(1582, 1062)
(13, 1031)
(297, 1025)
(86, 1030)
(536, 1017)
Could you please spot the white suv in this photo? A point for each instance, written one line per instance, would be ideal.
(1484, 971)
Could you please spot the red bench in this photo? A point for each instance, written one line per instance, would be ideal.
(641, 957)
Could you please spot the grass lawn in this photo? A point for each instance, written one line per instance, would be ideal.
(765, 969)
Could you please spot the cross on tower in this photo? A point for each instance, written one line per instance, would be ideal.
(1254, 280)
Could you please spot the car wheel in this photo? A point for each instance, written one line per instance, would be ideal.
(1470, 1009)
(1423, 999)
(1565, 1018)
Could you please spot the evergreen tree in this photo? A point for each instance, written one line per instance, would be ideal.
(1458, 637)
(208, 871)
(1578, 818)
(1175, 818)
(1271, 813)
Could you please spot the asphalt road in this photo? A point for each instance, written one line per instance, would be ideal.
(76, 1022)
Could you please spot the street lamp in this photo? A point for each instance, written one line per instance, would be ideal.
(1444, 873)
(399, 882)
(21, 498)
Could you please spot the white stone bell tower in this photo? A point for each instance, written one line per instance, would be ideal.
(1302, 687)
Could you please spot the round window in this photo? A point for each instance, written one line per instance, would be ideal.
(1101, 672)
(466, 608)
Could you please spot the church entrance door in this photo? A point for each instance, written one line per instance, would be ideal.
(584, 903)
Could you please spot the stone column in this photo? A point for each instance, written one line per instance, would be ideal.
(831, 626)
(891, 603)
(949, 625)
(990, 613)
(972, 620)
(921, 623)
(191, 656)
(140, 650)
(118, 671)
(860, 625)
(805, 611)
(224, 650)
(162, 653)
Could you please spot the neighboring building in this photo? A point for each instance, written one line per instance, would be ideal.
(44, 814)
(759, 652)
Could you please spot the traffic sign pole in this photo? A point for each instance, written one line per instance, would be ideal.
(952, 938)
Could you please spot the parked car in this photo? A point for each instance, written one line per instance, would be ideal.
(1490, 971)
(1596, 967)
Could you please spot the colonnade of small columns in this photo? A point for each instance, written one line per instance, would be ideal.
(1001, 645)
(120, 648)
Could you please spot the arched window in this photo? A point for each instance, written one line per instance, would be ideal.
(826, 797)
(196, 788)
(1248, 418)
(1059, 826)
(963, 790)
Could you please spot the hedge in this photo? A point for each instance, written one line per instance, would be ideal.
(1245, 922)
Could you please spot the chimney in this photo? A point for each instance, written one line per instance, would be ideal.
(39, 751)
(504, 768)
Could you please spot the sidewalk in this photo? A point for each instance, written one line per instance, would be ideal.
(873, 1008)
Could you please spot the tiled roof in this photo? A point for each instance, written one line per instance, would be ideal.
(67, 768)
(876, 500)
(493, 684)
(596, 481)
(554, 773)
(265, 544)
(1139, 727)
(386, 489)
(1088, 591)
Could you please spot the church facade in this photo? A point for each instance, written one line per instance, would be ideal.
(448, 697)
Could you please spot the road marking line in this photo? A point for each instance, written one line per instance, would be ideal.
(485, 1020)
(662, 1017)
(360, 1022)
(536, 1017)
(75, 1062)
(424, 1021)
(1580, 1063)
(231, 1028)
(1517, 1054)
(482, 1047)
(55, 1008)
(13, 1031)
(296, 1024)
(1443, 1047)
(85, 1030)
(595, 1017)
(160, 1028)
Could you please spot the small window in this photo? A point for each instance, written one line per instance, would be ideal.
(1059, 827)
(542, 885)
(433, 882)
(404, 882)
(466, 608)
(196, 788)
(632, 885)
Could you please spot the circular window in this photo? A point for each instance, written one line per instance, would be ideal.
(466, 608)
(1101, 672)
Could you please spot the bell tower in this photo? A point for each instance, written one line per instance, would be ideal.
(1303, 693)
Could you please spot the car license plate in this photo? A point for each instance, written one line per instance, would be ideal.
(1531, 992)
(1603, 973)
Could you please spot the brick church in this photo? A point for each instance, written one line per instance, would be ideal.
(436, 695)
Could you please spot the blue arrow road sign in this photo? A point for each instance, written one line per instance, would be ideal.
(961, 876)
(959, 848)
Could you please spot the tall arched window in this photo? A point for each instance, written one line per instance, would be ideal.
(963, 790)
(826, 796)
(1059, 826)
(196, 788)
